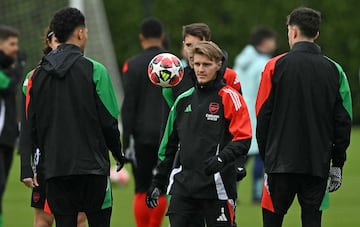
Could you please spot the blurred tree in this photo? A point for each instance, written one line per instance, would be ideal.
(231, 22)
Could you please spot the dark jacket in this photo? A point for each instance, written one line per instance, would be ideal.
(204, 121)
(10, 76)
(189, 80)
(303, 112)
(26, 148)
(73, 114)
(141, 109)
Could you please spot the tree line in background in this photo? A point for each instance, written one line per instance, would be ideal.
(231, 22)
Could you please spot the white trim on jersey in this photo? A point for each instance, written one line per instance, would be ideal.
(171, 178)
(219, 184)
(234, 97)
(220, 187)
(2, 115)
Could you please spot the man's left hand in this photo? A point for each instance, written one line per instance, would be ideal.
(213, 165)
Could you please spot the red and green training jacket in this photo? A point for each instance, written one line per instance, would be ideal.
(304, 112)
(204, 121)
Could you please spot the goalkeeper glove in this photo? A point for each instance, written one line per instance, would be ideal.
(240, 173)
(152, 196)
(120, 162)
(240, 169)
(335, 175)
(213, 165)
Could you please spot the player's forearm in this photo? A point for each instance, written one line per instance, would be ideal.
(234, 150)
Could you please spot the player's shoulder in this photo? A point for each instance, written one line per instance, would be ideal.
(95, 63)
(282, 56)
(137, 62)
(183, 97)
(229, 90)
(230, 73)
(97, 66)
(270, 64)
(230, 95)
(145, 55)
(334, 63)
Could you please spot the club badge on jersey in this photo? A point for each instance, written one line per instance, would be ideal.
(214, 107)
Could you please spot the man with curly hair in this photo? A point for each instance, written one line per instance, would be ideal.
(72, 111)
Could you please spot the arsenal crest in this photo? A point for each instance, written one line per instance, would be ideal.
(36, 197)
(214, 107)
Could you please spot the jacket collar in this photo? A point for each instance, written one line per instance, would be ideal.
(307, 47)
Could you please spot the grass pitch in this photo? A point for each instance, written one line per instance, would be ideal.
(344, 208)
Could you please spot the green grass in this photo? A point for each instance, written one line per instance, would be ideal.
(345, 203)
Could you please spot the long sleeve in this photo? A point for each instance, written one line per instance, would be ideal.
(108, 109)
(26, 148)
(167, 150)
(129, 106)
(342, 120)
(235, 110)
(263, 106)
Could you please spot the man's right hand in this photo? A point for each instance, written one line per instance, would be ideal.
(240, 173)
(31, 182)
(130, 156)
(120, 162)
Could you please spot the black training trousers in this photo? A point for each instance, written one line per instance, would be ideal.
(190, 212)
(6, 157)
(282, 189)
(81, 193)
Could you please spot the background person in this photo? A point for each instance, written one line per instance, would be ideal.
(248, 66)
(10, 76)
(141, 118)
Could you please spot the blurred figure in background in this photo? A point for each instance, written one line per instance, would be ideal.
(248, 66)
(141, 118)
(10, 75)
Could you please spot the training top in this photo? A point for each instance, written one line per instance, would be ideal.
(189, 80)
(304, 112)
(72, 111)
(26, 148)
(205, 121)
(141, 109)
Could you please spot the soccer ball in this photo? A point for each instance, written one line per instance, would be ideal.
(121, 178)
(165, 70)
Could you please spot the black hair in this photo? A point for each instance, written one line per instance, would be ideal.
(200, 30)
(7, 32)
(308, 20)
(166, 42)
(65, 21)
(47, 39)
(151, 28)
(259, 34)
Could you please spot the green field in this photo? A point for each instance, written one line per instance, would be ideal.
(345, 203)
